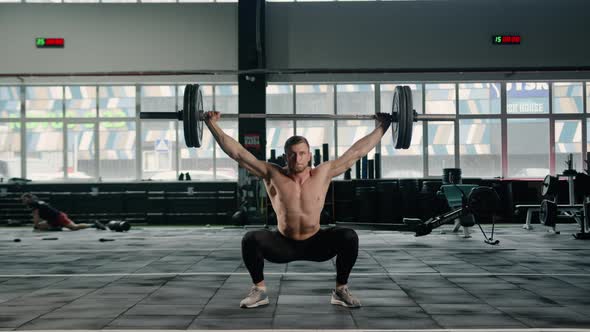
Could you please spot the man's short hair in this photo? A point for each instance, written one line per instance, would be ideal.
(294, 140)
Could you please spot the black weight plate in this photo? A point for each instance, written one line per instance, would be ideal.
(548, 213)
(550, 184)
(192, 119)
(197, 116)
(395, 116)
(185, 120)
(409, 117)
(399, 102)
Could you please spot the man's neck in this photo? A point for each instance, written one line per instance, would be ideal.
(301, 176)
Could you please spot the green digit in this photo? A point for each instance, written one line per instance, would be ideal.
(40, 41)
(498, 39)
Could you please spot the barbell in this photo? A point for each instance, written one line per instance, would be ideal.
(402, 116)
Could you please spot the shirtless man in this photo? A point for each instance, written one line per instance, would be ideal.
(297, 194)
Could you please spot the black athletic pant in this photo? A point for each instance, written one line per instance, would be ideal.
(276, 248)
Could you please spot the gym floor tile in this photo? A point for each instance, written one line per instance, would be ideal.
(459, 309)
(341, 320)
(389, 312)
(478, 320)
(66, 324)
(446, 299)
(306, 309)
(194, 278)
(395, 323)
(152, 322)
(231, 323)
(164, 309)
(16, 320)
(233, 310)
(85, 312)
(539, 321)
(399, 301)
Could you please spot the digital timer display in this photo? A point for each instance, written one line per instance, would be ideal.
(506, 40)
(49, 42)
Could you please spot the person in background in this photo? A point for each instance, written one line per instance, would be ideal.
(46, 217)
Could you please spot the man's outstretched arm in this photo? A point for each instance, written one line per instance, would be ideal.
(361, 147)
(234, 149)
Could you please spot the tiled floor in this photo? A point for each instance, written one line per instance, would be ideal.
(193, 278)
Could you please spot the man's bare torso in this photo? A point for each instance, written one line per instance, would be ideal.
(298, 205)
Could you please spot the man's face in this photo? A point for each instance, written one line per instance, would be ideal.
(26, 200)
(298, 157)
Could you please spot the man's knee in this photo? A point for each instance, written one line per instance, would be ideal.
(250, 239)
(350, 236)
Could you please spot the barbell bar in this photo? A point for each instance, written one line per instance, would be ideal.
(298, 116)
(402, 116)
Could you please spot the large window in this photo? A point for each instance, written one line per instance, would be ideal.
(88, 132)
(226, 169)
(527, 97)
(81, 151)
(80, 101)
(116, 101)
(479, 98)
(568, 98)
(355, 99)
(158, 98)
(45, 149)
(10, 104)
(158, 148)
(440, 98)
(568, 140)
(226, 99)
(10, 138)
(158, 137)
(279, 99)
(441, 146)
(44, 102)
(528, 148)
(117, 150)
(480, 147)
(10, 150)
(403, 163)
(314, 99)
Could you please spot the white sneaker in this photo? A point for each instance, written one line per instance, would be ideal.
(344, 298)
(256, 298)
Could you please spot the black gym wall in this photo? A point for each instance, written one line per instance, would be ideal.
(449, 34)
(118, 37)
